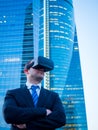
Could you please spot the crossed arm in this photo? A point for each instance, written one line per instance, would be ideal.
(39, 116)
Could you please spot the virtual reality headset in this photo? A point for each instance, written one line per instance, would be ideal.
(41, 63)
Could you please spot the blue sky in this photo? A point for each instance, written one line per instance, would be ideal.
(86, 17)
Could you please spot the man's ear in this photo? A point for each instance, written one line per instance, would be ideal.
(26, 71)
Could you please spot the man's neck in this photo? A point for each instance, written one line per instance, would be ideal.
(33, 82)
(28, 84)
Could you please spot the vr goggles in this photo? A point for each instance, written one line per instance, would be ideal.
(41, 63)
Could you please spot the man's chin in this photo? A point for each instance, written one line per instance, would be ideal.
(39, 79)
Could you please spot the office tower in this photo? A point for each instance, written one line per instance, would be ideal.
(12, 32)
(28, 45)
(58, 40)
(47, 28)
(73, 94)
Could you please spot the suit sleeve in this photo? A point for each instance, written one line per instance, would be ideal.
(56, 119)
(14, 114)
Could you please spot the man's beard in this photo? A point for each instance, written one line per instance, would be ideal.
(38, 78)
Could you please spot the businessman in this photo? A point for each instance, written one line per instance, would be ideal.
(33, 107)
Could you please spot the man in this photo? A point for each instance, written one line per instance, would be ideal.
(32, 107)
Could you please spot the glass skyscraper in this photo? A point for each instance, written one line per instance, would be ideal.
(42, 27)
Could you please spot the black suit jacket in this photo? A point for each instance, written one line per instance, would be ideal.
(18, 108)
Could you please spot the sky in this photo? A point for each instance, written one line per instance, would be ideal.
(86, 18)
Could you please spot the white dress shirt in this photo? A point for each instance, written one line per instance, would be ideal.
(29, 87)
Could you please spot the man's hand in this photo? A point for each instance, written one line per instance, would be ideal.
(23, 126)
(20, 126)
(48, 112)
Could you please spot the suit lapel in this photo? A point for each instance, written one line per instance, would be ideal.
(27, 96)
(42, 97)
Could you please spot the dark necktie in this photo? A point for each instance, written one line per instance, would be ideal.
(34, 94)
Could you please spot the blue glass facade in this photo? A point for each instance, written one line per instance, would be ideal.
(13, 36)
(73, 95)
(24, 24)
(58, 40)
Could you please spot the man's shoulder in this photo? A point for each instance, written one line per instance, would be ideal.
(13, 91)
(51, 92)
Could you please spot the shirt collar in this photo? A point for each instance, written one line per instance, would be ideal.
(28, 84)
